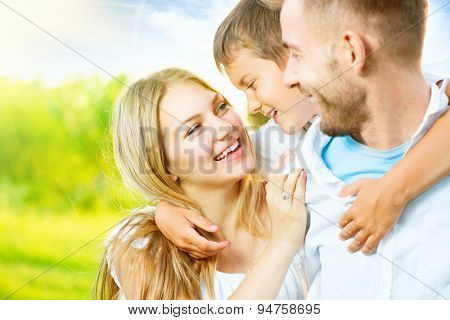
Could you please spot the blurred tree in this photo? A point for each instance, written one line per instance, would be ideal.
(55, 145)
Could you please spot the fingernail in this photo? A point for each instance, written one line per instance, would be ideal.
(214, 227)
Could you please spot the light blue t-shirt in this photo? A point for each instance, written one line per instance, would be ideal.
(351, 161)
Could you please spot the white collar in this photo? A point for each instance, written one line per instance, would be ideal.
(436, 108)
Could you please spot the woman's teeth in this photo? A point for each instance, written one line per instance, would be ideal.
(228, 150)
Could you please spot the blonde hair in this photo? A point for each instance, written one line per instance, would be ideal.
(250, 25)
(165, 272)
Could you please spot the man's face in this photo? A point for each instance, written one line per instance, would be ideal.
(314, 67)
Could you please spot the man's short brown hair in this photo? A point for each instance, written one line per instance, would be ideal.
(250, 25)
(398, 24)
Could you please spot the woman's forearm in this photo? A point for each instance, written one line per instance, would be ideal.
(265, 278)
(426, 164)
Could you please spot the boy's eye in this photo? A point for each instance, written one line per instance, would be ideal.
(251, 85)
(193, 129)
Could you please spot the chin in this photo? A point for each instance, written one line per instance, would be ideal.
(231, 178)
(239, 171)
(289, 129)
(333, 130)
(235, 171)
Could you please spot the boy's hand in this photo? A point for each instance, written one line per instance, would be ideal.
(372, 215)
(178, 226)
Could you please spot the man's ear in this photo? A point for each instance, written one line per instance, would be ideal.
(355, 54)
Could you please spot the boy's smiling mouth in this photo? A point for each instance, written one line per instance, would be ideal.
(273, 114)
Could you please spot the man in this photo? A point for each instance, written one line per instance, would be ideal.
(361, 61)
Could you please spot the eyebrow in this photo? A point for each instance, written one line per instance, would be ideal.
(216, 98)
(290, 46)
(193, 117)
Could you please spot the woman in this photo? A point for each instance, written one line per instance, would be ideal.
(200, 159)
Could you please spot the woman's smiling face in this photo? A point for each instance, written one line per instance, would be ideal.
(205, 141)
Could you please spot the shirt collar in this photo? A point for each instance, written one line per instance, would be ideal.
(316, 140)
(437, 106)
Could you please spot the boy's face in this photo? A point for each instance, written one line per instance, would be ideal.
(262, 82)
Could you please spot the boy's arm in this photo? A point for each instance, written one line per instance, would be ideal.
(178, 226)
(380, 202)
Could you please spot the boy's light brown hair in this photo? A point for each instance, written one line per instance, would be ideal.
(250, 25)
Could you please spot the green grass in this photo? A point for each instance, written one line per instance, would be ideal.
(56, 174)
(31, 242)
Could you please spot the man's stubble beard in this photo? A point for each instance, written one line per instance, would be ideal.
(343, 107)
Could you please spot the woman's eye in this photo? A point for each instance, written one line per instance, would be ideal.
(222, 107)
(193, 129)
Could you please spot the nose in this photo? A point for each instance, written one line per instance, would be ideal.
(253, 105)
(291, 74)
(224, 129)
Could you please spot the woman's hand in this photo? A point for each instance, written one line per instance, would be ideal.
(178, 226)
(372, 215)
(288, 223)
(285, 196)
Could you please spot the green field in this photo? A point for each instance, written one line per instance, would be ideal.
(32, 242)
(58, 186)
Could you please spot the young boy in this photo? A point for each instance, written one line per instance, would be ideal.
(247, 46)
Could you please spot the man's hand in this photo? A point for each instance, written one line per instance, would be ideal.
(372, 215)
(178, 226)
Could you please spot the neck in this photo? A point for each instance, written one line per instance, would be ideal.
(397, 103)
(217, 203)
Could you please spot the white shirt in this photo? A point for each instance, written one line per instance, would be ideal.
(413, 261)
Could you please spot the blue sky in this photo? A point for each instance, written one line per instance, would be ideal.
(138, 37)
